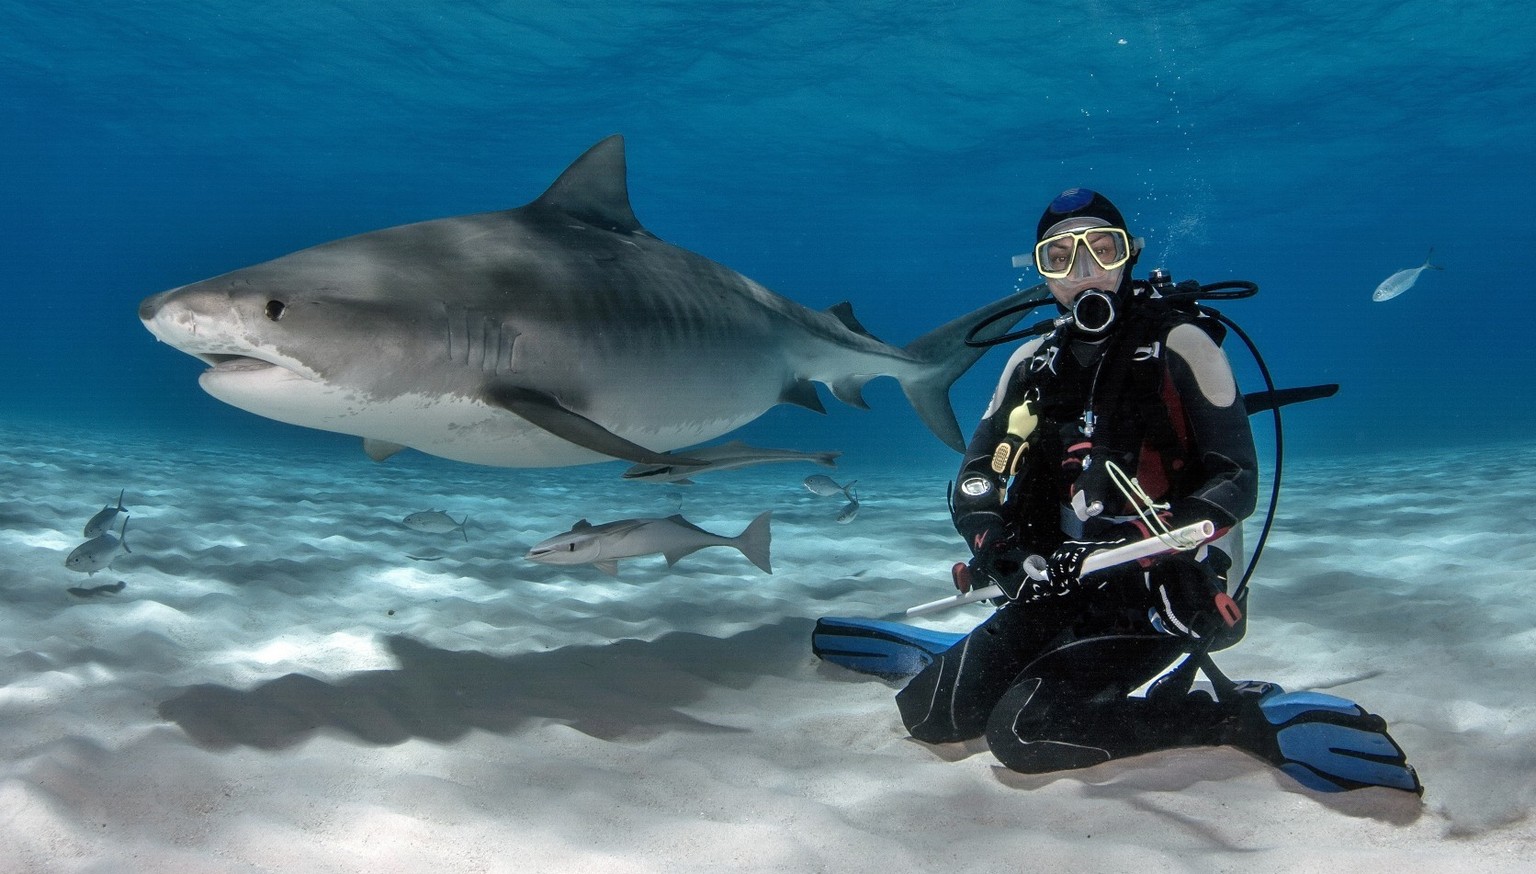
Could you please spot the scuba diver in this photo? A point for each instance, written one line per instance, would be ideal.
(1122, 422)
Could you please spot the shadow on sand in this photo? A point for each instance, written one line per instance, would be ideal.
(625, 690)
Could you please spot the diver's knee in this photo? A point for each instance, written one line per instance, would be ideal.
(1019, 753)
(1022, 733)
(930, 714)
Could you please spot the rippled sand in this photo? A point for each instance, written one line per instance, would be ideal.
(291, 680)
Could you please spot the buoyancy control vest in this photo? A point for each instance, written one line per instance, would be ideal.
(1113, 400)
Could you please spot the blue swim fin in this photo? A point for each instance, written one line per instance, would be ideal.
(874, 646)
(1325, 743)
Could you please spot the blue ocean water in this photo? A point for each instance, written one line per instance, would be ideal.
(892, 154)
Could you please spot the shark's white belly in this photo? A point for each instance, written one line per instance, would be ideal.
(457, 427)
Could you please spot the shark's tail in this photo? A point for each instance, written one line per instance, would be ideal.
(753, 542)
(944, 356)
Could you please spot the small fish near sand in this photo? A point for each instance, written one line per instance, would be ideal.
(87, 592)
(106, 518)
(673, 537)
(98, 552)
(726, 456)
(849, 512)
(827, 487)
(436, 522)
(1403, 280)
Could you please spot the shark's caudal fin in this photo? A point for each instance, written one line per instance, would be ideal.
(753, 542)
(945, 357)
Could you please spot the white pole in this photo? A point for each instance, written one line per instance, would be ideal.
(1197, 532)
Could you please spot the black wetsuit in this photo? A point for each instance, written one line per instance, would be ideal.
(1048, 681)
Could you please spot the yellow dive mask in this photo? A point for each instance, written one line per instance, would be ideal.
(1056, 256)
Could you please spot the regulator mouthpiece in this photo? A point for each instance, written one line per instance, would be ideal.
(1094, 311)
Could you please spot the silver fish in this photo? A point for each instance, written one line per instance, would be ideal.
(726, 456)
(827, 487)
(1403, 280)
(435, 522)
(849, 512)
(561, 332)
(98, 552)
(106, 518)
(674, 537)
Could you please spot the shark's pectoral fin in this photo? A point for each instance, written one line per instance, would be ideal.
(545, 411)
(802, 393)
(378, 450)
(610, 567)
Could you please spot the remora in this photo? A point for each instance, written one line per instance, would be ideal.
(561, 332)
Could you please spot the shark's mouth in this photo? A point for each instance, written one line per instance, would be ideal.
(230, 369)
(233, 363)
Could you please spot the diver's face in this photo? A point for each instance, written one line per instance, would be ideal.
(1079, 254)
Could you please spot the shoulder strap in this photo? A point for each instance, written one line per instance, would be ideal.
(1130, 403)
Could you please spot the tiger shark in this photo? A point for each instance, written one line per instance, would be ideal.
(558, 333)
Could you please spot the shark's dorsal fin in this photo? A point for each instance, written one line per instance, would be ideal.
(594, 189)
(677, 519)
(843, 310)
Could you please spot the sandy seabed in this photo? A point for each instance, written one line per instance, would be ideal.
(290, 680)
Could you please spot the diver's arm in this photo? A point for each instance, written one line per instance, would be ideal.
(1220, 433)
(977, 500)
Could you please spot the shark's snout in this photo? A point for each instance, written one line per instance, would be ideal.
(192, 323)
(169, 319)
(149, 306)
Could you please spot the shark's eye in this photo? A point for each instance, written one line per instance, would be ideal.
(570, 547)
(275, 309)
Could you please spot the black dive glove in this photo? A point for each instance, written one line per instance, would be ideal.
(1064, 568)
(1063, 571)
